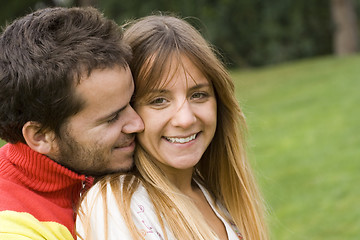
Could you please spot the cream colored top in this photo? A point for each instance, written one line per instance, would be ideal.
(143, 214)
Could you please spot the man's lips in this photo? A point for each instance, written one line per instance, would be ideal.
(127, 143)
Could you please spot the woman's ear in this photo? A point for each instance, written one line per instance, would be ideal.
(40, 141)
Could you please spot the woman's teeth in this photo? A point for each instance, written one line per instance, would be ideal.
(181, 140)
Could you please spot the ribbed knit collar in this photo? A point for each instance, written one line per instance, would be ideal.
(40, 174)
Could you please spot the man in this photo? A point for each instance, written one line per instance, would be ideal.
(65, 91)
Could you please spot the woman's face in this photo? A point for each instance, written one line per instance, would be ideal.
(179, 118)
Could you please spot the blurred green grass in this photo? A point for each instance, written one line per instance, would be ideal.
(304, 139)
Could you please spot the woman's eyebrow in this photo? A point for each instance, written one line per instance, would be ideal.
(160, 90)
(198, 86)
(164, 90)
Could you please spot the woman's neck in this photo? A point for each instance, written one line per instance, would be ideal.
(181, 178)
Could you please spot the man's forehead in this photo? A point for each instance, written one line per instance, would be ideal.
(106, 90)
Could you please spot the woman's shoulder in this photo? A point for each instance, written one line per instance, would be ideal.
(104, 192)
(102, 201)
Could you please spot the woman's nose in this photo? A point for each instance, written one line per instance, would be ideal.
(184, 117)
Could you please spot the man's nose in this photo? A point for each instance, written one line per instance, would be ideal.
(134, 124)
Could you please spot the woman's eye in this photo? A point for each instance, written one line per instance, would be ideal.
(199, 95)
(158, 101)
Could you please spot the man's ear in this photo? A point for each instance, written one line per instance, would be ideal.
(40, 141)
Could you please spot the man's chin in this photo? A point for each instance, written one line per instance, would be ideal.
(114, 170)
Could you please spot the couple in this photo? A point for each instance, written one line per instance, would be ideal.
(70, 84)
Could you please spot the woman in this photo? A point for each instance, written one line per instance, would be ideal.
(191, 178)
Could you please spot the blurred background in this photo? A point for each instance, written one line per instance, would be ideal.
(296, 69)
(248, 32)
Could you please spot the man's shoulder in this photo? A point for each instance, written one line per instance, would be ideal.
(4, 149)
(12, 195)
(19, 198)
(22, 225)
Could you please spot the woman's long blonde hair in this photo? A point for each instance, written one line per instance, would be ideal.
(223, 169)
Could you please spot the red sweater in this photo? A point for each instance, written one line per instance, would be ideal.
(31, 182)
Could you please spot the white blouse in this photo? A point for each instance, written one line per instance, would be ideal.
(143, 214)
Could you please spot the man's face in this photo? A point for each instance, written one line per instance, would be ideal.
(100, 138)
